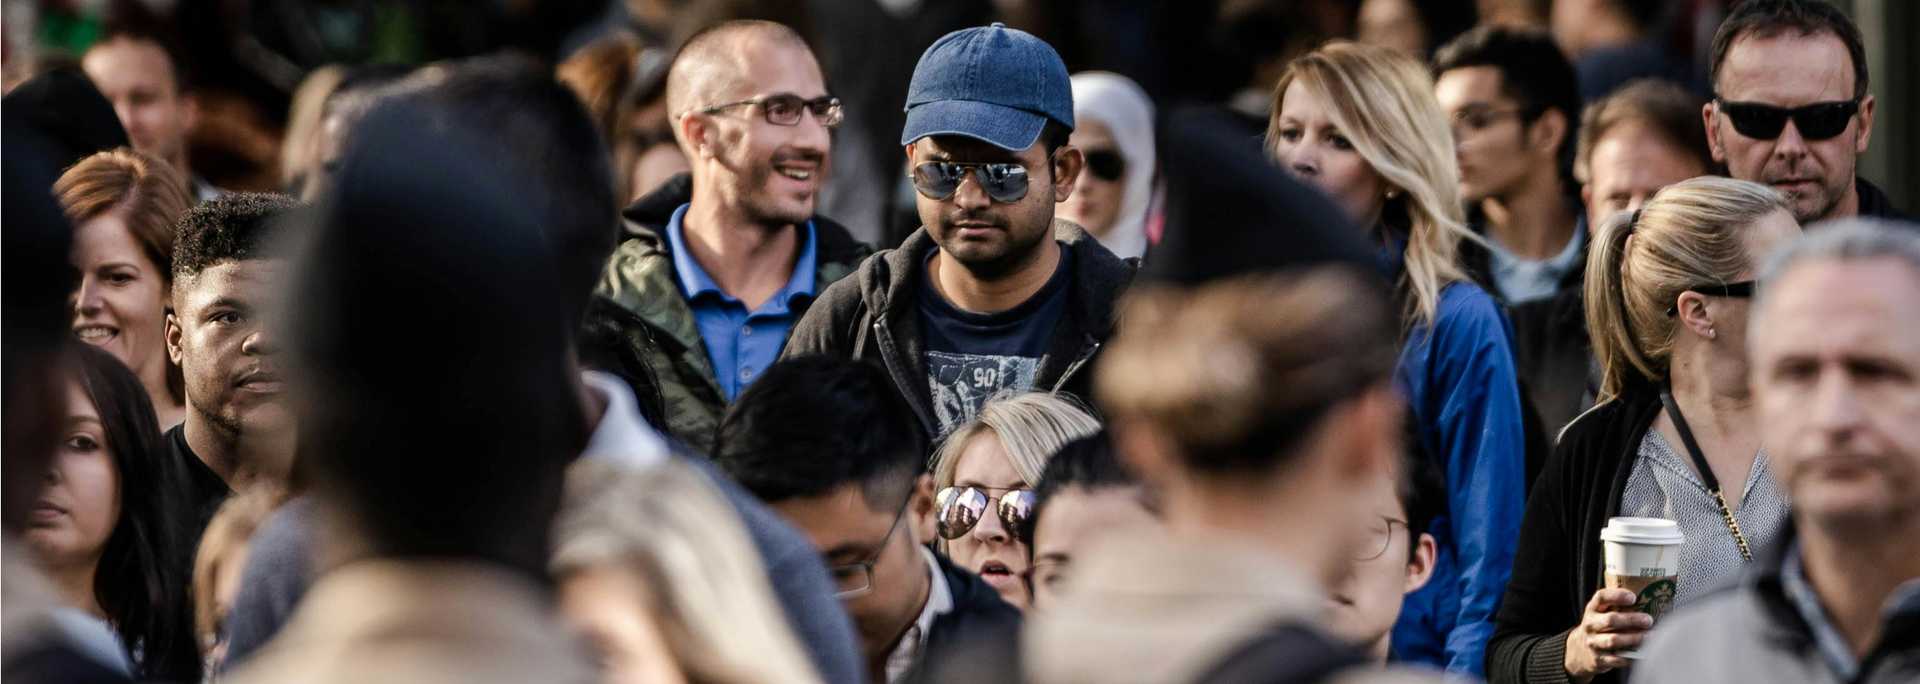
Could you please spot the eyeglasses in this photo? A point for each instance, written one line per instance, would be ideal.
(1817, 121)
(1005, 182)
(1742, 289)
(1108, 165)
(962, 507)
(785, 109)
(1478, 119)
(1378, 540)
(855, 580)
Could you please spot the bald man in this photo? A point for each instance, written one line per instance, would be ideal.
(722, 261)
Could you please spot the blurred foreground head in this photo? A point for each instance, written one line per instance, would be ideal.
(1261, 388)
(436, 409)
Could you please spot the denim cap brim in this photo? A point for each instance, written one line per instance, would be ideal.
(1003, 127)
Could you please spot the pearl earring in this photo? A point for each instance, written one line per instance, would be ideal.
(1711, 334)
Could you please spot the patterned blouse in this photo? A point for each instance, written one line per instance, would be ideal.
(1664, 485)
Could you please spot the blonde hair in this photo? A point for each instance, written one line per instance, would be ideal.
(1031, 427)
(672, 527)
(1689, 234)
(228, 532)
(1383, 102)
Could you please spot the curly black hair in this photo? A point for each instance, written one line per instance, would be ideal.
(226, 228)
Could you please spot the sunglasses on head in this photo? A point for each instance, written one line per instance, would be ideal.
(961, 508)
(1108, 165)
(1817, 121)
(1742, 289)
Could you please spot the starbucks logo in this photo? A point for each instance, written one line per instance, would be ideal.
(1656, 598)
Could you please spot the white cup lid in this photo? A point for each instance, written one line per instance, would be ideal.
(1659, 531)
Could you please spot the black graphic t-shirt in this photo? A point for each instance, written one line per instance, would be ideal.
(970, 356)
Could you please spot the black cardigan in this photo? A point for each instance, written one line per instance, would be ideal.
(1557, 568)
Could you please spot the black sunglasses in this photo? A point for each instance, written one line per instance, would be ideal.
(1004, 182)
(1742, 289)
(1108, 165)
(1817, 121)
(962, 507)
(785, 109)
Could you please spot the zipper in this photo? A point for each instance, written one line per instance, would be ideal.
(901, 375)
(1086, 354)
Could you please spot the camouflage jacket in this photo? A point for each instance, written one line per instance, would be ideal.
(640, 277)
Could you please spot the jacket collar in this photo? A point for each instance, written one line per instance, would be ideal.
(1874, 203)
(1154, 608)
(889, 284)
(650, 283)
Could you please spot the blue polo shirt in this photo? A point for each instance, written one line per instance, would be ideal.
(740, 343)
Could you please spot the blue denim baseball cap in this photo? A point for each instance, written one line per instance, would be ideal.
(993, 84)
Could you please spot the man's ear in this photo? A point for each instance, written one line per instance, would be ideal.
(1866, 126)
(1548, 132)
(1707, 117)
(173, 335)
(1420, 568)
(921, 507)
(1067, 162)
(693, 133)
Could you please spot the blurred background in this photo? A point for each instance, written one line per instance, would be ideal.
(258, 71)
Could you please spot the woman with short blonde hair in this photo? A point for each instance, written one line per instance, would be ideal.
(657, 568)
(1673, 435)
(985, 473)
(1361, 124)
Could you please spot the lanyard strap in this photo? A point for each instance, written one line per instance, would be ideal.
(1706, 471)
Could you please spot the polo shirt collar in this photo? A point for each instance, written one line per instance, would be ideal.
(695, 282)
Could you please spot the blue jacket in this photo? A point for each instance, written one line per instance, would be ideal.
(1459, 380)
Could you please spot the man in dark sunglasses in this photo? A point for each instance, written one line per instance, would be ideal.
(829, 445)
(719, 264)
(1791, 108)
(992, 293)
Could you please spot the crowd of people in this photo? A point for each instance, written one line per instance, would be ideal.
(568, 370)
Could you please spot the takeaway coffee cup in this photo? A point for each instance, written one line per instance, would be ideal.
(1643, 556)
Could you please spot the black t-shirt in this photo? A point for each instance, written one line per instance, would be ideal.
(204, 490)
(970, 356)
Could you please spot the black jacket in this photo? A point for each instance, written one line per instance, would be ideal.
(875, 316)
(1552, 353)
(980, 621)
(1874, 203)
(1558, 565)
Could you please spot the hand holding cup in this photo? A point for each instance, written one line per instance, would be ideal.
(1607, 627)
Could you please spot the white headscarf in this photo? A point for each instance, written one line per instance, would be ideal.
(1125, 109)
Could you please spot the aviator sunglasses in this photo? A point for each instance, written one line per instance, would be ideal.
(1817, 121)
(962, 507)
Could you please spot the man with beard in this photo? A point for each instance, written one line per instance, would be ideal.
(992, 293)
(237, 431)
(721, 262)
(1791, 108)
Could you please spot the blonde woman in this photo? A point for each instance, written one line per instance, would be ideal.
(985, 473)
(1672, 436)
(657, 571)
(1360, 123)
